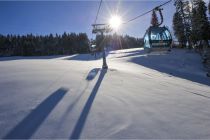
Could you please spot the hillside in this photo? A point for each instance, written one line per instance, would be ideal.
(157, 95)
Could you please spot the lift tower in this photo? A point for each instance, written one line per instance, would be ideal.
(102, 28)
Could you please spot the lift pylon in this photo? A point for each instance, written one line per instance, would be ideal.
(102, 28)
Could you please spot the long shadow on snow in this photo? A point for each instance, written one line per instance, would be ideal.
(11, 58)
(28, 126)
(82, 119)
(85, 57)
(160, 62)
(166, 64)
(125, 52)
(133, 53)
(91, 75)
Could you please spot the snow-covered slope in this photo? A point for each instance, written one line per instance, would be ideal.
(140, 96)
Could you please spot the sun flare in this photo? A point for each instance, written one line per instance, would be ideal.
(115, 22)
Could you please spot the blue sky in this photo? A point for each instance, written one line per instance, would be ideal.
(45, 17)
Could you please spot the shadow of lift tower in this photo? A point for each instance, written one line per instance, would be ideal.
(102, 28)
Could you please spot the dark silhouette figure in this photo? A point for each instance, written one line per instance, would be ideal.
(28, 126)
(82, 119)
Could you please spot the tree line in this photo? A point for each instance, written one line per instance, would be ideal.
(65, 44)
(116, 42)
(31, 45)
(190, 23)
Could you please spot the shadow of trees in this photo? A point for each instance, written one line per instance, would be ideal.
(186, 66)
(178, 63)
(86, 57)
(11, 58)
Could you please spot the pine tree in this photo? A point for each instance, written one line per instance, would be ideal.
(83, 43)
(200, 24)
(188, 22)
(209, 19)
(178, 27)
(209, 7)
(184, 15)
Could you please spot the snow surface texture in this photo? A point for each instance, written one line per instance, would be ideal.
(155, 95)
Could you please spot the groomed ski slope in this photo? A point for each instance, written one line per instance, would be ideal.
(155, 95)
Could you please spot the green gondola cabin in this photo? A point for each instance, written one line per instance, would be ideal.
(157, 38)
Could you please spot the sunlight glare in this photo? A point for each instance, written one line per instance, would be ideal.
(115, 22)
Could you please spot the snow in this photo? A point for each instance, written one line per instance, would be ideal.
(157, 95)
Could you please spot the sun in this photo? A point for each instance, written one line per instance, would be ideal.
(115, 22)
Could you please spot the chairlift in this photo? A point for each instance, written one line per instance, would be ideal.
(93, 48)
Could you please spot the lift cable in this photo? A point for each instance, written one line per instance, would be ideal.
(98, 11)
(147, 12)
